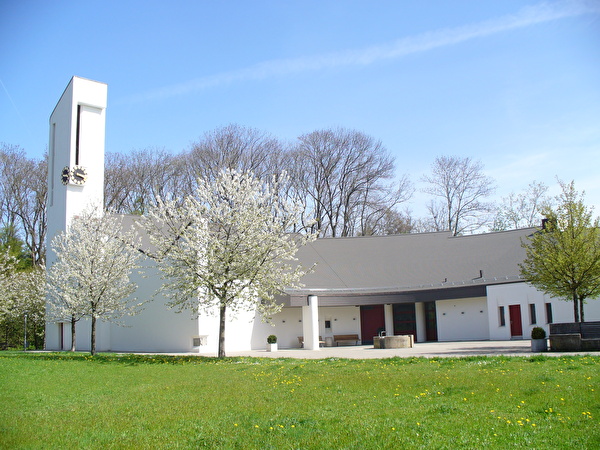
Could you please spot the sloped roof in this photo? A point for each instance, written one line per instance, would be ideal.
(410, 262)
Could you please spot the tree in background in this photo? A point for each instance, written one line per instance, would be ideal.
(522, 210)
(563, 258)
(8, 268)
(461, 189)
(343, 178)
(345, 175)
(227, 248)
(90, 277)
(135, 181)
(22, 302)
(232, 147)
(23, 195)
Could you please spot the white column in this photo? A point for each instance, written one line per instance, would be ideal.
(388, 312)
(310, 323)
(420, 319)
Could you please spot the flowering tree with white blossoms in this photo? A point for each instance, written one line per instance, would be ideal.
(8, 268)
(22, 296)
(227, 248)
(90, 277)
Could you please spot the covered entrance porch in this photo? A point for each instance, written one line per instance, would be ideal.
(372, 314)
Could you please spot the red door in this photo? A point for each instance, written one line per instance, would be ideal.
(372, 320)
(516, 327)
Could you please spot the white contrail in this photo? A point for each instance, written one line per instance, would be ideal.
(528, 16)
(11, 100)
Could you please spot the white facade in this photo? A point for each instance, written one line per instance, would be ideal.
(462, 319)
(77, 130)
(77, 139)
(522, 294)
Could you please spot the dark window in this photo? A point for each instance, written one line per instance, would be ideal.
(532, 316)
(502, 317)
(549, 313)
(77, 135)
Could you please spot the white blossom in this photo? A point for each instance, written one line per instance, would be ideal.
(90, 277)
(228, 247)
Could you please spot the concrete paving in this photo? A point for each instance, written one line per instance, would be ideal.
(427, 349)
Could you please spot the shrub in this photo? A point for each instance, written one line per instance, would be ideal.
(272, 339)
(538, 333)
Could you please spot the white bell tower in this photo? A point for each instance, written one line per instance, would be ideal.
(76, 155)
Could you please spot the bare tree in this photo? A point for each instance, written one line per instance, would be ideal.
(232, 147)
(461, 189)
(376, 212)
(344, 175)
(392, 222)
(522, 210)
(23, 195)
(135, 182)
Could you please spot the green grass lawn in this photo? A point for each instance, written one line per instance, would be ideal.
(77, 401)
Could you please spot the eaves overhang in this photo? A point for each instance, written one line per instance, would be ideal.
(398, 294)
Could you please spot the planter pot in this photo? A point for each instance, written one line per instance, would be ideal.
(272, 347)
(378, 342)
(539, 345)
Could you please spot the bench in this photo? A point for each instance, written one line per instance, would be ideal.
(347, 339)
(301, 341)
(3, 345)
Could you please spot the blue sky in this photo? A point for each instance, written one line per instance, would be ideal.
(515, 84)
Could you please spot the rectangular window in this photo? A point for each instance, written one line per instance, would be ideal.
(502, 317)
(77, 133)
(532, 317)
(549, 313)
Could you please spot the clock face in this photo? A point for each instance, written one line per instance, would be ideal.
(79, 175)
(65, 175)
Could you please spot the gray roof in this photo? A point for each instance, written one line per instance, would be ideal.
(410, 262)
(404, 267)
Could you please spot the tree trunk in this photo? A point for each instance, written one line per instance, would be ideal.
(222, 331)
(93, 349)
(575, 308)
(581, 309)
(73, 321)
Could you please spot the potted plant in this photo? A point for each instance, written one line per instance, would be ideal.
(271, 343)
(538, 340)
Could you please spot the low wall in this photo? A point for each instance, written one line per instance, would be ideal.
(400, 341)
(575, 336)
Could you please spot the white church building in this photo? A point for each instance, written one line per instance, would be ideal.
(434, 286)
